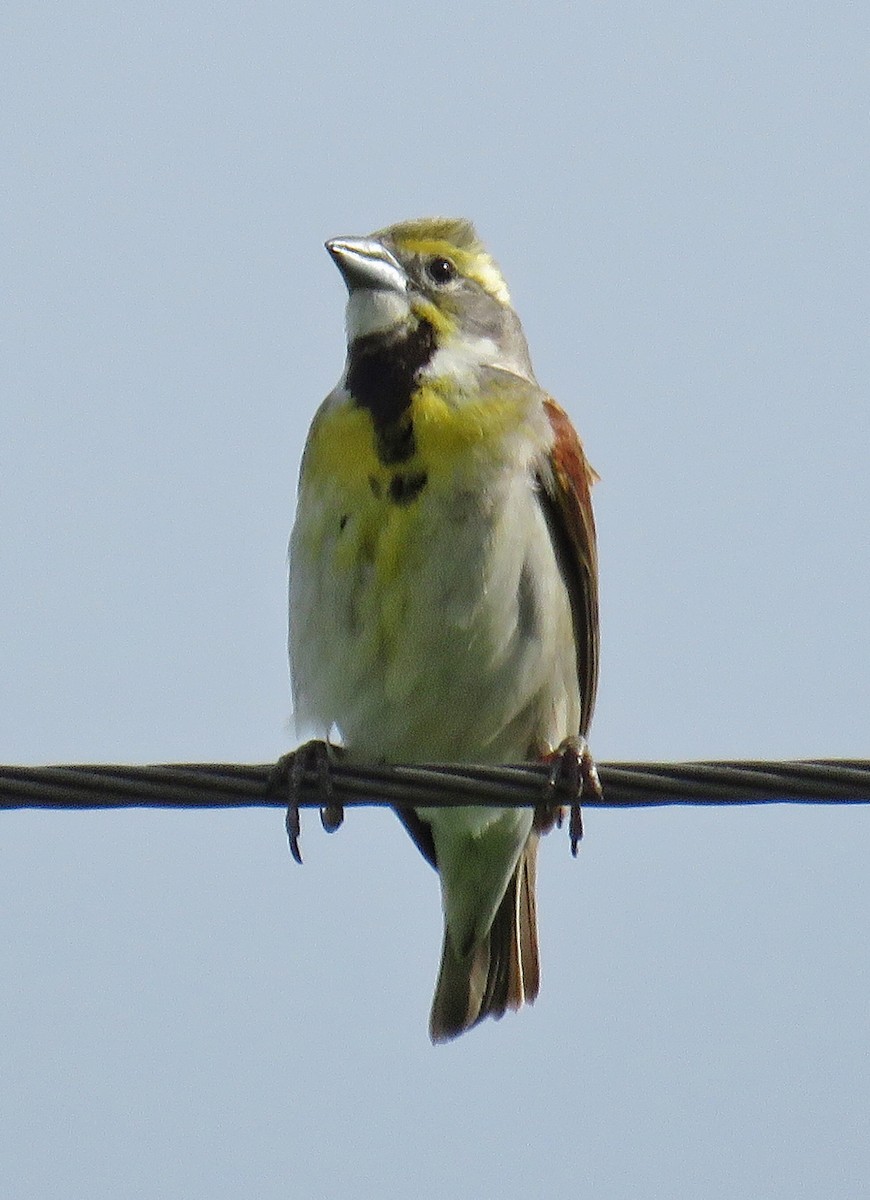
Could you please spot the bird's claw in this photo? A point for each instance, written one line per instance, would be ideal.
(573, 773)
(290, 772)
(332, 816)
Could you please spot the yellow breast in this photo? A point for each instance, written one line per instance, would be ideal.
(450, 435)
(369, 523)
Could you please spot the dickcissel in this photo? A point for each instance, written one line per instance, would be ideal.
(443, 578)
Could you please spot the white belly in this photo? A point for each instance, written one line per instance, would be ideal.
(439, 633)
(462, 650)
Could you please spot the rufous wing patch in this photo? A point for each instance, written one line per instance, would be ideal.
(565, 490)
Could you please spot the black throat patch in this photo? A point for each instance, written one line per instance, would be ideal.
(381, 376)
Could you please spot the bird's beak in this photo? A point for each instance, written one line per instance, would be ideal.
(365, 263)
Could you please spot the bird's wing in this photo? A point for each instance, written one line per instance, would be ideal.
(421, 833)
(564, 487)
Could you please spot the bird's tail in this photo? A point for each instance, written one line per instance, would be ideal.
(502, 970)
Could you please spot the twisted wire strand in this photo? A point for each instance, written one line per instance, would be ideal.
(238, 785)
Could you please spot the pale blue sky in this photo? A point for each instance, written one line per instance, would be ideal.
(678, 199)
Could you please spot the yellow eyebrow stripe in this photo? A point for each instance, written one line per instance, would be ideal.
(473, 264)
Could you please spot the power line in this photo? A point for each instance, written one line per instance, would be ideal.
(625, 785)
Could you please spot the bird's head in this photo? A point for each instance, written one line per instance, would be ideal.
(431, 278)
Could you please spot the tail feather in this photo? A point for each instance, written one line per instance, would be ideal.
(528, 922)
(501, 970)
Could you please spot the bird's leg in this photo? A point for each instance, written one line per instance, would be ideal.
(574, 774)
(290, 771)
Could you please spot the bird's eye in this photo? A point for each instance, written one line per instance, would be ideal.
(441, 270)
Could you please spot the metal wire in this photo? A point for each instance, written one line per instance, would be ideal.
(625, 785)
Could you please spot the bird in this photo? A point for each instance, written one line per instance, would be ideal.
(443, 592)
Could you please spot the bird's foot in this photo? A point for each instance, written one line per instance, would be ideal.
(573, 774)
(289, 772)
